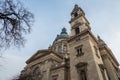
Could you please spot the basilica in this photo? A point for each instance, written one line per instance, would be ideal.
(78, 56)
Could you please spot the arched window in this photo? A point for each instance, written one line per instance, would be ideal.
(65, 48)
(76, 14)
(59, 49)
(77, 30)
(36, 72)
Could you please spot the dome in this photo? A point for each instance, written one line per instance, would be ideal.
(63, 34)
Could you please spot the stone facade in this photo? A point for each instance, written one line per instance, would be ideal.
(78, 56)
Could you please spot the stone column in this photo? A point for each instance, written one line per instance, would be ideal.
(109, 67)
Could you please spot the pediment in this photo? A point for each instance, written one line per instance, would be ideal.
(41, 53)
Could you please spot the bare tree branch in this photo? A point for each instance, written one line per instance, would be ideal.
(15, 21)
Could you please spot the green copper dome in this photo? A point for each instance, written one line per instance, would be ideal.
(63, 34)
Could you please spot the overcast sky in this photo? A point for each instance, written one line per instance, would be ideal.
(50, 17)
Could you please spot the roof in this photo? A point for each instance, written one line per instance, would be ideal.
(63, 34)
(41, 53)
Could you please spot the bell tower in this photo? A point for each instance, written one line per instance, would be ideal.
(85, 60)
(78, 21)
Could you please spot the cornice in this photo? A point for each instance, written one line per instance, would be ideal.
(85, 32)
(44, 53)
(110, 53)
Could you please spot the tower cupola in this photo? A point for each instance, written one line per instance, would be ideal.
(78, 22)
(77, 11)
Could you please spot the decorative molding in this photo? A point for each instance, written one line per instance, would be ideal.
(81, 64)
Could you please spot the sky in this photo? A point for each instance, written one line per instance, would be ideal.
(50, 17)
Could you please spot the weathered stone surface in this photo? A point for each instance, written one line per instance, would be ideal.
(78, 56)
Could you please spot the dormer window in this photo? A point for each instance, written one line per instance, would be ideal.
(76, 14)
(77, 31)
